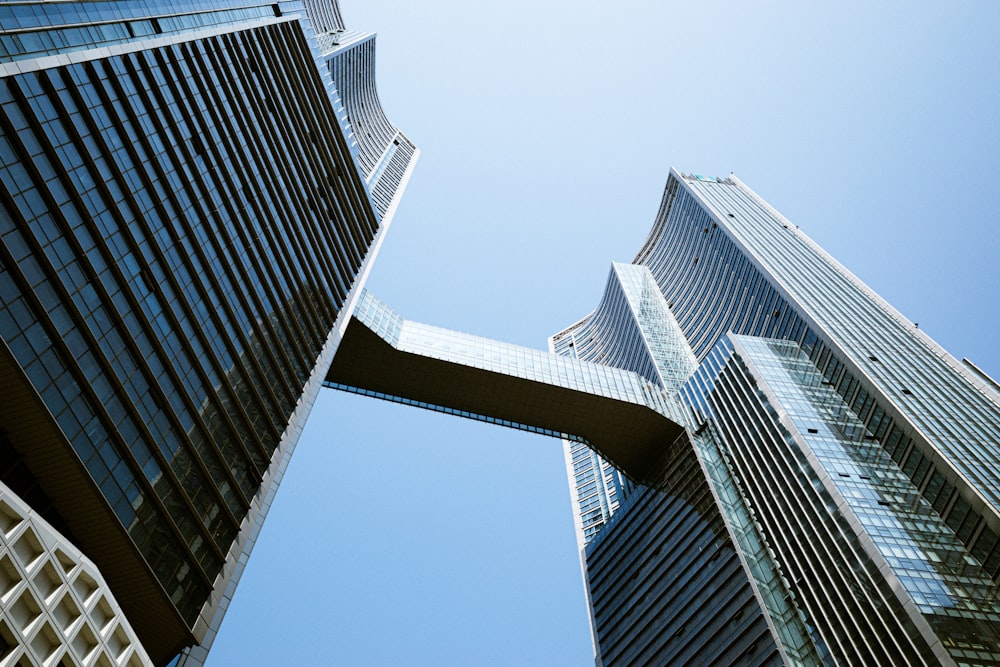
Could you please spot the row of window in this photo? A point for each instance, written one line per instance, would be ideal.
(169, 322)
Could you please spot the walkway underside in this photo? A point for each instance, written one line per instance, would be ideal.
(629, 435)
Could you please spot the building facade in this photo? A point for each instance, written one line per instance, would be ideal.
(191, 200)
(812, 480)
(854, 461)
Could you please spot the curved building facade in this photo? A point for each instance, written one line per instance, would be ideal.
(727, 262)
(632, 329)
(853, 460)
(828, 493)
(385, 155)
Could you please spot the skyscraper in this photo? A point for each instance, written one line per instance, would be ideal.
(855, 458)
(827, 492)
(191, 199)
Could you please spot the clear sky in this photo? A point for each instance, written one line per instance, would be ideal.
(403, 537)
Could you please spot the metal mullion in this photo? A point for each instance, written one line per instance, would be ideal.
(180, 303)
(350, 223)
(348, 60)
(141, 362)
(274, 349)
(314, 317)
(343, 221)
(123, 450)
(690, 585)
(356, 195)
(875, 596)
(264, 329)
(346, 221)
(318, 267)
(170, 278)
(306, 241)
(112, 265)
(379, 124)
(288, 176)
(223, 301)
(342, 269)
(224, 304)
(224, 251)
(321, 232)
(248, 240)
(860, 302)
(101, 413)
(694, 546)
(366, 226)
(354, 252)
(724, 399)
(794, 557)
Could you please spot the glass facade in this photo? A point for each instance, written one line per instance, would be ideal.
(385, 155)
(631, 329)
(726, 261)
(818, 453)
(666, 584)
(768, 464)
(651, 575)
(853, 460)
(36, 29)
(829, 495)
(184, 221)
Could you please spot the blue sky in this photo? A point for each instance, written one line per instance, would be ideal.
(402, 537)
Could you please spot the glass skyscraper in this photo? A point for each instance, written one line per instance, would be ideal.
(813, 479)
(192, 196)
(855, 461)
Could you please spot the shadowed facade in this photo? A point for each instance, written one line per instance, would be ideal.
(186, 219)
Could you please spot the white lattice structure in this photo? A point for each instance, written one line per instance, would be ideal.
(55, 609)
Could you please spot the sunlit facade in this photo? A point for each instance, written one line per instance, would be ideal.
(191, 199)
(855, 462)
(768, 464)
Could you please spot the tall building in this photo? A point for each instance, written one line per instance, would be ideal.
(192, 197)
(768, 463)
(855, 461)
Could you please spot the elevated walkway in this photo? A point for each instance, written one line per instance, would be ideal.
(624, 417)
